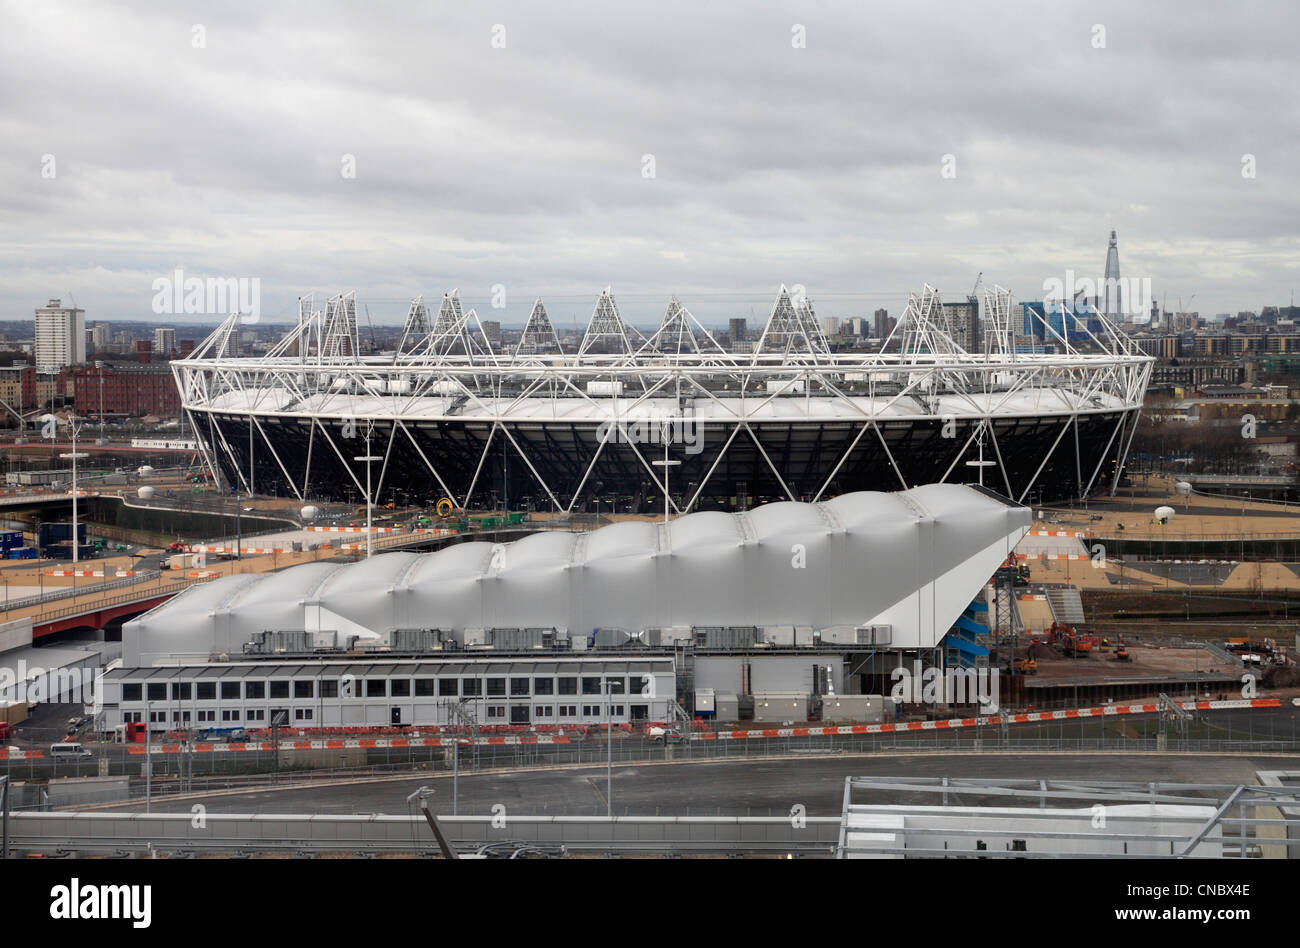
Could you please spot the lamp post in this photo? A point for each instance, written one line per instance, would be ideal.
(370, 507)
(666, 464)
(609, 748)
(148, 757)
(74, 454)
(981, 463)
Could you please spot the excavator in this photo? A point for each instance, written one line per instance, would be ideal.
(1070, 644)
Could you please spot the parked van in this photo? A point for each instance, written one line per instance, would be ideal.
(64, 751)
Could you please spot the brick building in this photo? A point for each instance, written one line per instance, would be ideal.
(132, 389)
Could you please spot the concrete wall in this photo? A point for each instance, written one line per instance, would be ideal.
(768, 673)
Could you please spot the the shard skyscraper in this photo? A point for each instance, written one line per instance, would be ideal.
(1112, 280)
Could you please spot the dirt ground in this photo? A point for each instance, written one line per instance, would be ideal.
(1145, 661)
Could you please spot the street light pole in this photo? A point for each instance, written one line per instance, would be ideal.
(609, 750)
(666, 464)
(370, 507)
(74, 454)
(148, 757)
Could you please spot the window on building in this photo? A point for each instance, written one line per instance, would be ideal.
(230, 690)
(303, 688)
(132, 691)
(591, 686)
(207, 716)
(638, 685)
(615, 685)
(257, 714)
(568, 686)
(496, 711)
(205, 690)
(426, 687)
(519, 688)
(180, 691)
(157, 691)
(543, 686)
(157, 717)
(401, 687)
(329, 687)
(280, 689)
(471, 687)
(230, 714)
(376, 687)
(546, 710)
(447, 687)
(302, 714)
(519, 714)
(568, 710)
(496, 687)
(255, 689)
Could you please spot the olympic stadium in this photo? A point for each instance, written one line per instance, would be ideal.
(542, 428)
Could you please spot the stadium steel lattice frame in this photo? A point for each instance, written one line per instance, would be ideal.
(538, 426)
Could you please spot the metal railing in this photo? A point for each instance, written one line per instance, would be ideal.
(159, 590)
(68, 592)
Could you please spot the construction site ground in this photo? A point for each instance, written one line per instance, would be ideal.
(1147, 660)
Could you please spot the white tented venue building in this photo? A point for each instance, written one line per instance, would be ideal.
(869, 570)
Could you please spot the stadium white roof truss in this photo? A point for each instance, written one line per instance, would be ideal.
(448, 373)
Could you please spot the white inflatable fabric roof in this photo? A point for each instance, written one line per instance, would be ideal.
(912, 560)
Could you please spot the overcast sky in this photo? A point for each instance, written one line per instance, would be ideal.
(524, 165)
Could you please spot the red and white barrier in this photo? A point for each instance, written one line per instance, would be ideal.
(73, 572)
(952, 724)
(354, 529)
(1052, 556)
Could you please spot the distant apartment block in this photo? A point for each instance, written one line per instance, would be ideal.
(963, 323)
(60, 336)
(18, 386)
(164, 341)
(880, 323)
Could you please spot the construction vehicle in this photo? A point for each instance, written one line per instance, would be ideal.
(1122, 655)
(1070, 644)
(1025, 666)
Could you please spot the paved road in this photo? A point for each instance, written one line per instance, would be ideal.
(757, 788)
